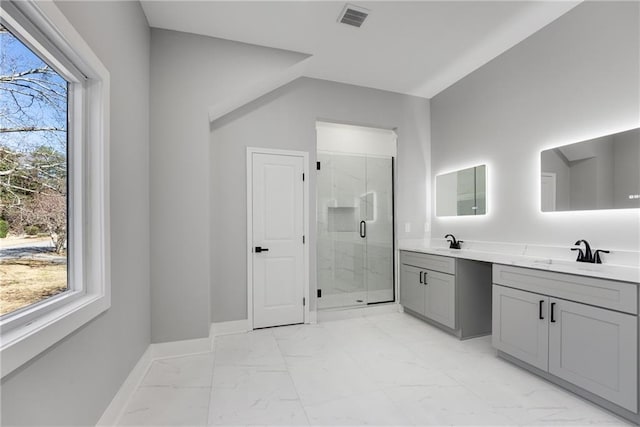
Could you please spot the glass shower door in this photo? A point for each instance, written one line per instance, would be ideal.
(355, 230)
(341, 250)
(379, 230)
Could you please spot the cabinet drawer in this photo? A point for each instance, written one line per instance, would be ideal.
(621, 296)
(430, 262)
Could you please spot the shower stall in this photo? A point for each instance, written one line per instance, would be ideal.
(355, 229)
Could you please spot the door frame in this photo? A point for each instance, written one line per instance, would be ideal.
(305, 220)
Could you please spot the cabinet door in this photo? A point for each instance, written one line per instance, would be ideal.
(411, 290)
(440, 299)
(595, 349)
(520, 325)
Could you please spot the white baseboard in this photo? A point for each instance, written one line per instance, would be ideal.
(116, 408)
(180, 348)
(349, 313)
(114, 411)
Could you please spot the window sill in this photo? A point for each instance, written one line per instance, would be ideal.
(21, 344)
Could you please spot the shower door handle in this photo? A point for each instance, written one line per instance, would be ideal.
(363, 229)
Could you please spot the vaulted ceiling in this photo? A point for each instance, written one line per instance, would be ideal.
(414, 47)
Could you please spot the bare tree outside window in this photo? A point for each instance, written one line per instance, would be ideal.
(33, 177)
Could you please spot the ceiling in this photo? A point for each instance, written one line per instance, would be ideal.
(415, 47)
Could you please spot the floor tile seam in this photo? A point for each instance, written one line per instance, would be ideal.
(304, 406)
(168, 386)
(387, 333)
(393, 341)
(343, 396)
(293, 383)
(442, 371)
(395, 405)
(277, 368)
(360, 370)
(213, 366)
(338, 398)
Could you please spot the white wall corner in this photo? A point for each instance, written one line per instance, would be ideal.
(250, 92)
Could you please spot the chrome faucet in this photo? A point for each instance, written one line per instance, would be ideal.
(453, 244)
(587, 255)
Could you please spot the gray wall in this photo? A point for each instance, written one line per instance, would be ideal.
(575, 79)
(198, 190)
(189, 73)
(285, 119)
(73, 382)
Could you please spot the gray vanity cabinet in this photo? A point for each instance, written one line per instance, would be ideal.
(411, 288)
(440, 298)
(453, 294)
(428, 287)
(595, 349)
(590, 342)
(519, 327)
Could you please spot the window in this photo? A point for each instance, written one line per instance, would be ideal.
(54, 103)
(33, 177)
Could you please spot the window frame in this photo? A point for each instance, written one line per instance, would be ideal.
(32, 329)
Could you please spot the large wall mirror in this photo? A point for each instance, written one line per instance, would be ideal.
(599, 173)
(462, 192)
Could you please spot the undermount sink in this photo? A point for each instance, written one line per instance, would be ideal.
(574, 264)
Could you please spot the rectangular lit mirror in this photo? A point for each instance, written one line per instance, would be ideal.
(462, 192)
(599, 173)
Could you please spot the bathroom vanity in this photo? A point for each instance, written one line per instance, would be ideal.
(578, 329)
(571, 323)
(453, 294)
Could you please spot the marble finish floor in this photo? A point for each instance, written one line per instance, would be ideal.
(389, 369)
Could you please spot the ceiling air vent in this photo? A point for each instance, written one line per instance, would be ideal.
(353, 15)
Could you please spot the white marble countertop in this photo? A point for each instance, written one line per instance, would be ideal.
(604, 271)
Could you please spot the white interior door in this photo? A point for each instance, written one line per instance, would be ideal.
(278, 229)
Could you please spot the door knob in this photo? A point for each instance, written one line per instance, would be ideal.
(259, 249)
